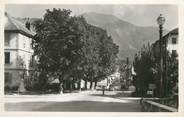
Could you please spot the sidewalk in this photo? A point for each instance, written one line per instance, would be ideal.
(15, 95)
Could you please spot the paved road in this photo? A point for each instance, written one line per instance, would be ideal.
(77, 102)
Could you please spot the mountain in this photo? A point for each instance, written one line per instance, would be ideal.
(129, 37)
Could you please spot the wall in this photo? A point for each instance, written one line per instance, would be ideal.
(20, 46)
(171, 46)
(12, 48)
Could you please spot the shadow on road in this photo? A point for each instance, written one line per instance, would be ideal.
(113, 94)
(74, 106)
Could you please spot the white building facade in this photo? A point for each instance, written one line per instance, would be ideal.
(172, 41)
(18, 51)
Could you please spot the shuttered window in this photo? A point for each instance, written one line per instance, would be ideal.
(7, 39)
(174, 41)
(7, 57)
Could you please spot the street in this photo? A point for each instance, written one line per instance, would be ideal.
(86, 101)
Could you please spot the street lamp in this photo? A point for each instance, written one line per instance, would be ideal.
(161, 21)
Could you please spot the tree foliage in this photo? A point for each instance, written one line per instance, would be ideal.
(67, 46)
(147, 68)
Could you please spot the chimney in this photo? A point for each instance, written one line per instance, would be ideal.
(28, 24)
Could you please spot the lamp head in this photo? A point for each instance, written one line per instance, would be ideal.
(161, 20)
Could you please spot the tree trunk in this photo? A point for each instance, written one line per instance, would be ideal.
(71, 86)
(79, 85)
(85, 84)
(60, 88)
(43, 82)
(91, 84)
(95, 84)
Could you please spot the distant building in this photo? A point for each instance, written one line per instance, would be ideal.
(18, 40)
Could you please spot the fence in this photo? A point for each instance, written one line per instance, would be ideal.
(156, 105)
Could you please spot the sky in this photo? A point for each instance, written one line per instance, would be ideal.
(140, 15)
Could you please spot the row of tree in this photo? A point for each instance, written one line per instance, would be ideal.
(147, 67)
(69, 49)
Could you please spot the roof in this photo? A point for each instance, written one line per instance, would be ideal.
(174, 31)
(15, 25)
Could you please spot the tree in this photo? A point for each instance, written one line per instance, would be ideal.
(143, 66)
(102, 59)
(23, 74)
(57, 44)
(172, 73)
(70, 49)
(147, 68)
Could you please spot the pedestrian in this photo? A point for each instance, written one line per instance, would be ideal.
(103, 90)
(132, 89)
(61, 88)
(21, 88)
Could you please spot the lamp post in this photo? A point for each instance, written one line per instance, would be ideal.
(161, 21)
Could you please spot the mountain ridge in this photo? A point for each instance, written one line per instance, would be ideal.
(129, 37)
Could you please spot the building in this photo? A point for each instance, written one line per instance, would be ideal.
(18, 42)
(170, 40)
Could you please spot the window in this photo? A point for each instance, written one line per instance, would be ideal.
(7, 57)
(7, 39)
(173, 40)
(31, 61)
(8, 78)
